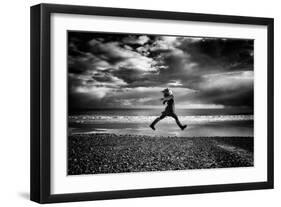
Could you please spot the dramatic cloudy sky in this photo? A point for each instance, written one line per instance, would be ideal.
(123, 71)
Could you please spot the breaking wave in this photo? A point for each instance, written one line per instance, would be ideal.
(92, 119)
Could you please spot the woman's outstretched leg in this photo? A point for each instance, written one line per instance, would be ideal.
(178, 122)
(152, 125)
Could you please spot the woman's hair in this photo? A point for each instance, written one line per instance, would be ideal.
(167, 92)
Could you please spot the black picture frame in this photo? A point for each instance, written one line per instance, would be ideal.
(41, 95)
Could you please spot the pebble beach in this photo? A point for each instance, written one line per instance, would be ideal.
(98, 153)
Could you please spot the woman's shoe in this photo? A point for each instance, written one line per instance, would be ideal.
(152, 126)
(183, 127)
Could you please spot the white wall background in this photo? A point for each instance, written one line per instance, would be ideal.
(14, 104)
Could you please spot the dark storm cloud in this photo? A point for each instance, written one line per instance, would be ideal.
(231, 54)
(116, 70)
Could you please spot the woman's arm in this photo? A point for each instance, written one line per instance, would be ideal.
(167, 98)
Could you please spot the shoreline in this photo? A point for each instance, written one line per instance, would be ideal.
(98, 153)
(148, 136)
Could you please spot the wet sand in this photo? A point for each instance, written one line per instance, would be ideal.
(111, 153)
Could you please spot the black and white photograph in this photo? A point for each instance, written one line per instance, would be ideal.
(140, 103)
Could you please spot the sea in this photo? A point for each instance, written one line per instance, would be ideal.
(200, 122)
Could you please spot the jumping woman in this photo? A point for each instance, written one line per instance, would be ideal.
(169, 110)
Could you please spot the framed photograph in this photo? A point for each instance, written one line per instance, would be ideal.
(133, 103)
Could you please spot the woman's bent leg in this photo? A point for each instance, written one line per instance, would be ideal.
(156, 120)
